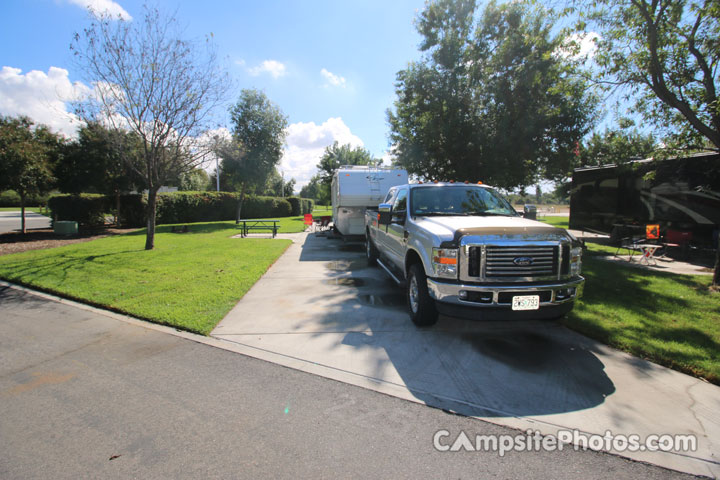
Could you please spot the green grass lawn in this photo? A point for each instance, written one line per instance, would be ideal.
(666, 318)
(561, 222)
(189, 281)
(322, 210)
(40, 210)
(669, 319)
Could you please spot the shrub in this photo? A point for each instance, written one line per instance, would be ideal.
(10, 198)
(296, 204)
(132, 210)
(86, 209)
(265, 207)
(189, 207)
(307, 205)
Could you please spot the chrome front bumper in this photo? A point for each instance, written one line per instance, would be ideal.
(555, 293)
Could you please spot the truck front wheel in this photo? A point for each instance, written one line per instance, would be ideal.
(420, 306)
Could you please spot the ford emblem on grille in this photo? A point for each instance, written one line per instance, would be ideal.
(523, 261)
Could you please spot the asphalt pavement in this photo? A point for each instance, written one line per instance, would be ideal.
(90, 394)
(10, 221)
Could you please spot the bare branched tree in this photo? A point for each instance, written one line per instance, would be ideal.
(149, 80)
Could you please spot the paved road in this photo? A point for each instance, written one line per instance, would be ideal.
(86, 395)
(10, 221)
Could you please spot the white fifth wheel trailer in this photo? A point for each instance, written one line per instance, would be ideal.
(357, 188)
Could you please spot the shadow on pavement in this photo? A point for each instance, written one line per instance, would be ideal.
(470, 367)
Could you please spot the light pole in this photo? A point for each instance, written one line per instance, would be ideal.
(217, 172)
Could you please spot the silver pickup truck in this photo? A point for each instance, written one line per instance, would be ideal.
(462, 250)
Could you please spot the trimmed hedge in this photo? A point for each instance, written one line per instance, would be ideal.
(296, 204)
(132, 210)
(86, 209)
(190, 207)
(10, 198)
(173, 207)
(308, 205)
(265, 207)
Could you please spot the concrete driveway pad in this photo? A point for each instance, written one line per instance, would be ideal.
(321, 309)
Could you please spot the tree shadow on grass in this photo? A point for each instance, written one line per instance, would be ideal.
(192, 228)
(643, 326)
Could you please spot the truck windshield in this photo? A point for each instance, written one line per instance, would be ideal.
(458, 200)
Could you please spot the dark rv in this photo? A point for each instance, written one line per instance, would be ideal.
(682, 195)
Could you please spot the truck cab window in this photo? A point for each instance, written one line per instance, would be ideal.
(400, 204)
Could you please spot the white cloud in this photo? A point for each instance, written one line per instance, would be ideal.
(103, 7)
(42, 97)
(335, 80)
(579, 46)
(306, 143)
(273, 67)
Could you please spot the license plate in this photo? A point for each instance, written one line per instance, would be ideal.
(526, 302)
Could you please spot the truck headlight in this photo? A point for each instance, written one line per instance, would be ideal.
(444, 262)
(575, 260)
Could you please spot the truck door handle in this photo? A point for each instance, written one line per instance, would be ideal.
(406, 234)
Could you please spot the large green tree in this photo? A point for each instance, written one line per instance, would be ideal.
(256, 147)
(666, 53)
(194, 181)
(276, 186)
(616, 146)
(336, 156)
(315, 190)
(26, 156)
(493, 98)
(101, 160)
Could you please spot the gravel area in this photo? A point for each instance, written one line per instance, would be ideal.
(15, 242)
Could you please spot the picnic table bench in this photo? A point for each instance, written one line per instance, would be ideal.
(248, 225)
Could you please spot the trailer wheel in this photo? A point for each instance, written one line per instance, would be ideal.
(420, 306)
(371, 251)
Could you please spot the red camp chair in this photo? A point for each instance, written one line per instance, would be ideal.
(308, 221)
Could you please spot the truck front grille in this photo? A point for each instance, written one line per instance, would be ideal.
(514, 261)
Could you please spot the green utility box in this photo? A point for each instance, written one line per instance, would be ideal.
(66, 228)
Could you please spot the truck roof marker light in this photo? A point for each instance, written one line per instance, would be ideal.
(435, 181)
(347, 174)
(480, 183)
(452, 181)
(466, 182)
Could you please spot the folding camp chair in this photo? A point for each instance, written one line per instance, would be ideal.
(308, 221)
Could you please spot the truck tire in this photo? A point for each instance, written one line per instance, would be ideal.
(371, 251)
(420, 306)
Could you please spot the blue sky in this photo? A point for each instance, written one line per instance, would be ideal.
(329, 65)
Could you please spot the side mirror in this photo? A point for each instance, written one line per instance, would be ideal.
(384, 214)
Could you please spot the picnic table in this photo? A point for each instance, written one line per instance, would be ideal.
(248, 225)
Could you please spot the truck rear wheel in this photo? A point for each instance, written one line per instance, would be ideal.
(420, 306)
(370, 250)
